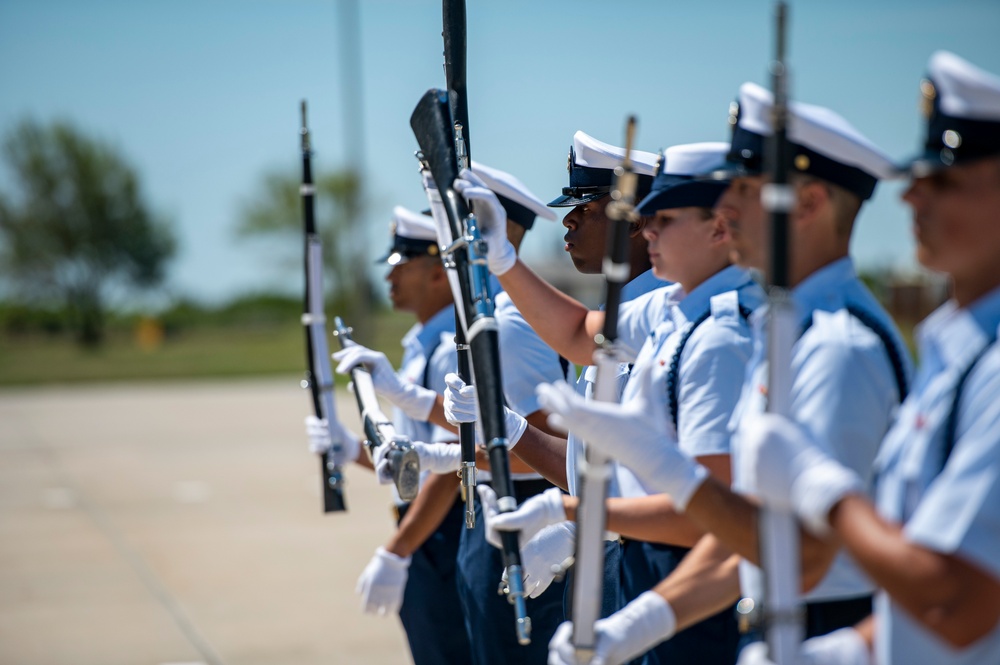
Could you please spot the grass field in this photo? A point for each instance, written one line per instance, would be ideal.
(199, 352)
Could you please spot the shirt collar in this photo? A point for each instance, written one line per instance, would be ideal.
(825, 288)
(428, 335)
(643, 283)
(956, 334)
(694, 304)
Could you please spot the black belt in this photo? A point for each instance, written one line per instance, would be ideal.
(399, 510)
(826, 616)
(525, 489)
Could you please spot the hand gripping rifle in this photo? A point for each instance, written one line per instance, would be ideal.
(453, 19)
(432, 125)
(773, 601)
(319, 378)
(595, 472)
(381, 439)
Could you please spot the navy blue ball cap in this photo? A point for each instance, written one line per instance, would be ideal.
(413, 235)
(591, 167)
(676, 185)
(822, 144)
(961, 108)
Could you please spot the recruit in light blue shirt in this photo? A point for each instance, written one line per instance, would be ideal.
(954, 509)
(711, 366)
(844, 391)
(641, 285)
(432, 342)
(526, 361)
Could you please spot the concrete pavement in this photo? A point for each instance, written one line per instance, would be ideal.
(180, 523)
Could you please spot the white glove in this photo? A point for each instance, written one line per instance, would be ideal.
(318, 430)
(841, 647)
(785, 469)
(632, 630)
(439, 457)
(530, 517)
(382, 582)
(542, 556)
(634, 434)
(500, 253)
(415, 401)
(462, 406)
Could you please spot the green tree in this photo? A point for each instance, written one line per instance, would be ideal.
(276, 209)
(76, 229)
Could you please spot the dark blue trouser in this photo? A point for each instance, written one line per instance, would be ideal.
(611, 596)
(710, 642)
(488, 616)
(431, 612)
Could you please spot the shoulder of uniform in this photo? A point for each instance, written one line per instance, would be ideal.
(447, 342)
(727, 309)
(842, 333)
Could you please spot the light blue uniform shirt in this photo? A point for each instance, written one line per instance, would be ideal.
(954, 510)
(844, 391)
(436, 339)
(711, 366)
(526, 362)
(641, 285)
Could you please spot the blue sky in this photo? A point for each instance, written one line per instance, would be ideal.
(203, 96)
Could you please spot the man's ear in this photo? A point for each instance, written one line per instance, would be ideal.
(811, 197)
(437, 273)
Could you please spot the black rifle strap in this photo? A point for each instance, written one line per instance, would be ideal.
(893, 351)
(951, 424)
(673, 389)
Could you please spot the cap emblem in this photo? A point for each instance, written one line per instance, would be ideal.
(951, 138)
(928, 93)
(802, 162)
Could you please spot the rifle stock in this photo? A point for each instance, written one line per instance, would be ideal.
(318, 377)
(454, 34)
(381, 438)
(595, 471)
(777, 605)
(432, 125)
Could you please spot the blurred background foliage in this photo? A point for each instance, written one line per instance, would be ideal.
(83, 260)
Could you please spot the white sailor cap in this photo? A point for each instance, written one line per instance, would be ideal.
(961, 104)
(676, 184)
(591, 167)
(521, 205)
(821, 143)
(413, 235)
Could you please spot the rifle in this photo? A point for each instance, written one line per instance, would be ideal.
(595, 471)
(432, 125)
(319, 378)
(776, 607)
(453, 19)
(381, 439)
